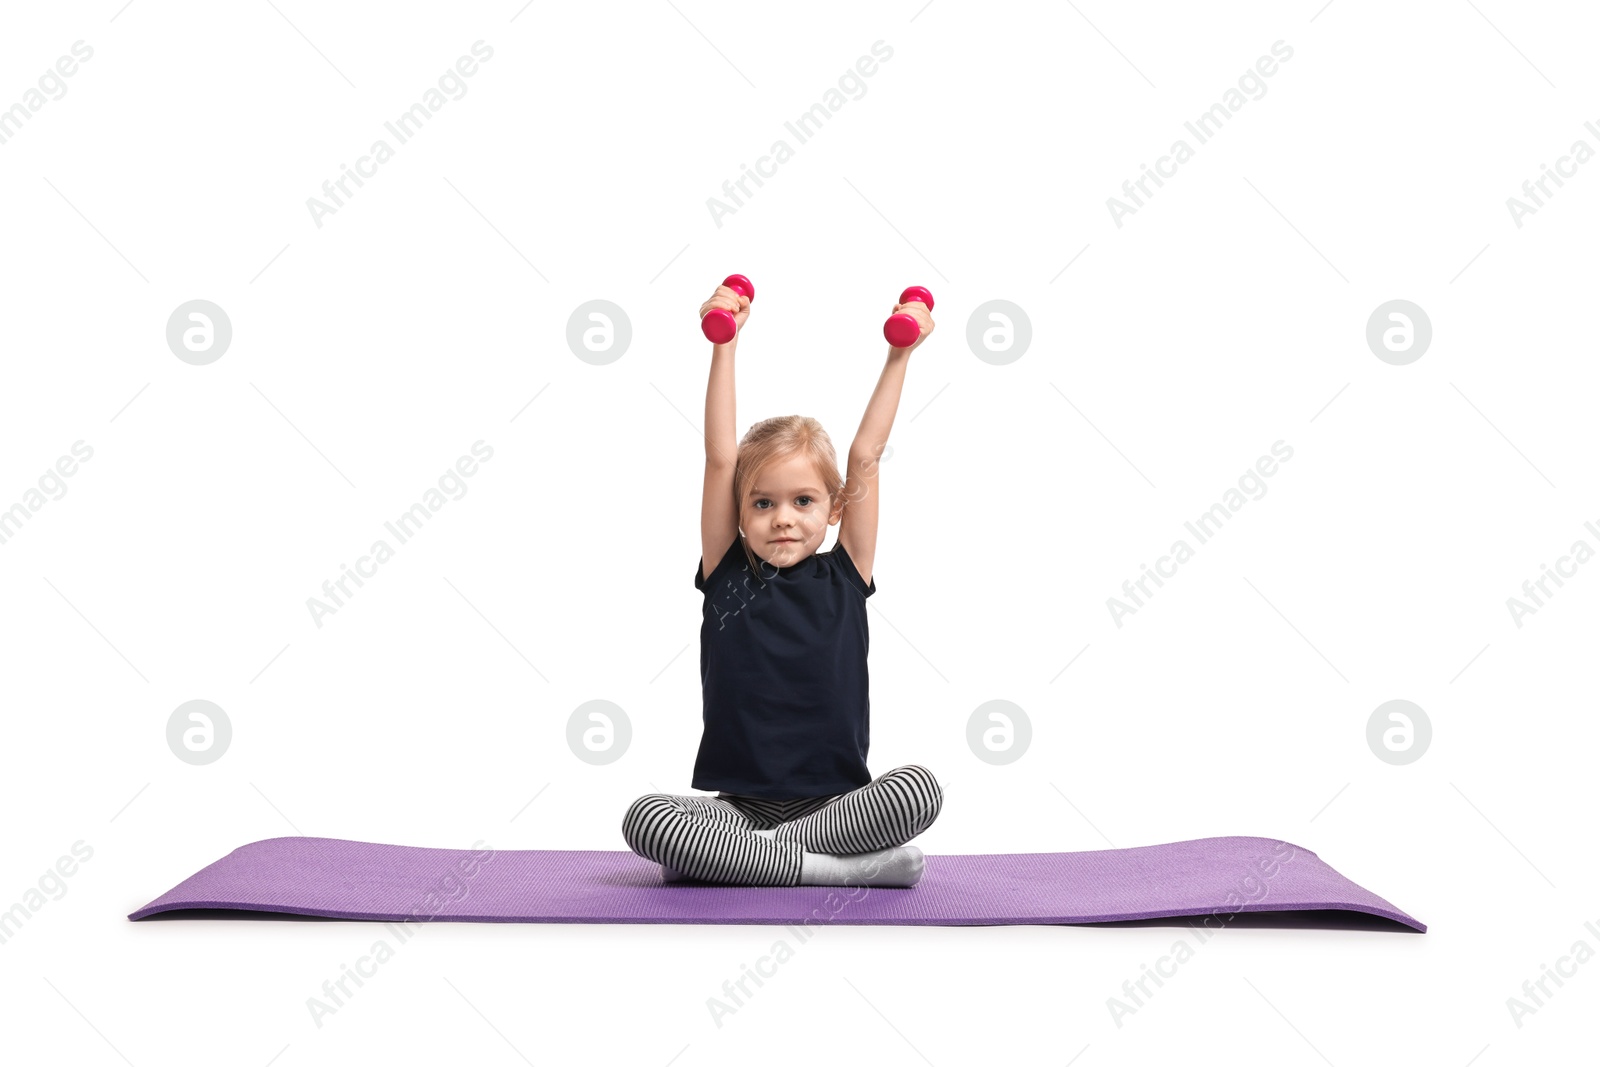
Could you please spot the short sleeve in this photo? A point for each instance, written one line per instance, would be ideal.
(852, 575)
(735, 551)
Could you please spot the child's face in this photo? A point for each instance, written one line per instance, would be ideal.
(787, 502)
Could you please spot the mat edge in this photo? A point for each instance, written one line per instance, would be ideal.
(1394, 915)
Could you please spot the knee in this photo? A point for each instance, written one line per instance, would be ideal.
(923, 787)
(915, 775)
(646, 808)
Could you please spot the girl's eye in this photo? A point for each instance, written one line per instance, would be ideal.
(803, 498)
(764, 500)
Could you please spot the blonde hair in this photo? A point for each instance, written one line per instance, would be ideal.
(779, 438)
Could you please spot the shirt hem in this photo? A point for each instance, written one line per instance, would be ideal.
(797, 791)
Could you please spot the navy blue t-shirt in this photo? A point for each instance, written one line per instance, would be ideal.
(783, 675)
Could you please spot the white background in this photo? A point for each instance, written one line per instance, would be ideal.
(368, 354)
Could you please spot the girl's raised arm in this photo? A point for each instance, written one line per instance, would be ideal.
(858, 528)
(719, 515)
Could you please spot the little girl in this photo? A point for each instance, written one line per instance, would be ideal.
(783, 659)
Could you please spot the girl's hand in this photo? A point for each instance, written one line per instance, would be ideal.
(728, 300)
(919, 311)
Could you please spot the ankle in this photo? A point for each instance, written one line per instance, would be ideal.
(822, 868)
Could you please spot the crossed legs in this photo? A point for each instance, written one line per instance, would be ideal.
(857, 836)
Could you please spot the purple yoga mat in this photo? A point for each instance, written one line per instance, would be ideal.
(332, 878)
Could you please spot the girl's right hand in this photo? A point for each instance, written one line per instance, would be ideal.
(728, 300)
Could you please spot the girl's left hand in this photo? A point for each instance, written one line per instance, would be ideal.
(919, 311)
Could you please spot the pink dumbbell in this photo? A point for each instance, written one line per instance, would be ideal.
(717, 324)
(902, 331)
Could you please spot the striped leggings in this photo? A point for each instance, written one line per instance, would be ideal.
(712, 838)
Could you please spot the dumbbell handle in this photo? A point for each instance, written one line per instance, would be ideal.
(719, 325)
(902, 330)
